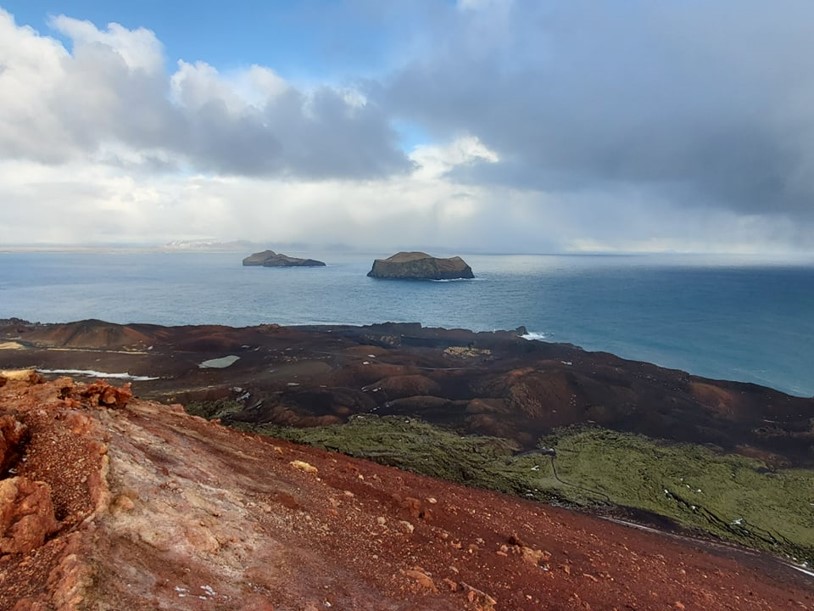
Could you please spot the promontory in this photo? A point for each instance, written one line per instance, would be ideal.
(420, 266)
(269, 258)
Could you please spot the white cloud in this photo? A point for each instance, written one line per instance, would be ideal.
(139, 49)
(259, 83)
(193, 86)
(30, 72)
(434, 161)
(112, 91)
(104, 142)
(81, 202)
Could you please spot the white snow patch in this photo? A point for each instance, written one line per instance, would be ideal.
(90, 373)
(221, 363)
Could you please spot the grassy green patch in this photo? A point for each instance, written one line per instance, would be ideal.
(735, 498)
(213, 409)
(411, 444)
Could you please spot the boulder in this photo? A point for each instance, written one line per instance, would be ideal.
(26, 515)
(269, 258)
(12, 436)
(420, 266)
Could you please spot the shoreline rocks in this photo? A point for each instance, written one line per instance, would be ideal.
(420, 266)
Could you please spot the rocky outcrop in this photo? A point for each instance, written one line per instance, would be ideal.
(269, 258)
(420, 266)
(26, 515)
(12, 434)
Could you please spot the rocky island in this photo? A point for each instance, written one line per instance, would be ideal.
(420, 266)
(269, 258)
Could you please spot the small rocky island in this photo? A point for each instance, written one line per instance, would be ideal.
(269, 258)
(420, 266)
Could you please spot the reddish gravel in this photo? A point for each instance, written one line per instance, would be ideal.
(161, 510)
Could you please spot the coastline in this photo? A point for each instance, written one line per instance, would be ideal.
(724, 318)
(665, 448)
(484, 382)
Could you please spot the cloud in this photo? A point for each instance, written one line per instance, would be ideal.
(437, 161)
(139, 49)
(557, 126)
(111, 90)
(82, 203)
(709, 104)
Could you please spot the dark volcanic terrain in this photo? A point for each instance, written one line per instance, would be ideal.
(495, 384)
(110, 503)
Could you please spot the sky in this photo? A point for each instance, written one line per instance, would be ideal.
(471, 125)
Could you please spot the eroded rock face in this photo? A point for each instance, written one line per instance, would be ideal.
(12, 434)
(269, 258)
(420, 266)
(26, 515)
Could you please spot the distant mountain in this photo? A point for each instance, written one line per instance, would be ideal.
(209, 245)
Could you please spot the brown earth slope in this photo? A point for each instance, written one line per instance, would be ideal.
(486, 383)
(109, 502)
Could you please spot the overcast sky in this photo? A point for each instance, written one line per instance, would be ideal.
(485, 125)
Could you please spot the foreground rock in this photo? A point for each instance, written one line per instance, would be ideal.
(269, 258)
(420, 266)
(156, 509)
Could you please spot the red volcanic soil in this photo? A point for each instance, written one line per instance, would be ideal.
(110, 502)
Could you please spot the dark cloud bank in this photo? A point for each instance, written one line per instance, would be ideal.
(706, 103)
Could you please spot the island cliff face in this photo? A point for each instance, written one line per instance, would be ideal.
(269, 258)
(420, 266)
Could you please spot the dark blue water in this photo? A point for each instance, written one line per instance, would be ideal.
(725, 318)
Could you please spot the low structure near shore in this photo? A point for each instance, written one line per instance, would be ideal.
(420, 266)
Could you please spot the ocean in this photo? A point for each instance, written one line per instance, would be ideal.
(731, 318)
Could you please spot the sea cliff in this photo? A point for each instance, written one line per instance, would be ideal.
(420, 266)
(269, 258)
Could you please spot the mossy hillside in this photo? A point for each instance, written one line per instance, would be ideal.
(414, 445)
(736, 498)
(732, 497)
(213, 409)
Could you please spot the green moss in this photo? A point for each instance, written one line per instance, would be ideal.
(736, 498)
(414, 445)
(732, 497)
(213, 409)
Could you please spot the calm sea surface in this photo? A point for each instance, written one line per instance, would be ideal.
(730, 318)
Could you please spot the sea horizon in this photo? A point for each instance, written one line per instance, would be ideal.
(735, 317)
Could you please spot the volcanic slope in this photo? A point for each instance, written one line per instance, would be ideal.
(495, 384)
(110, 502)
